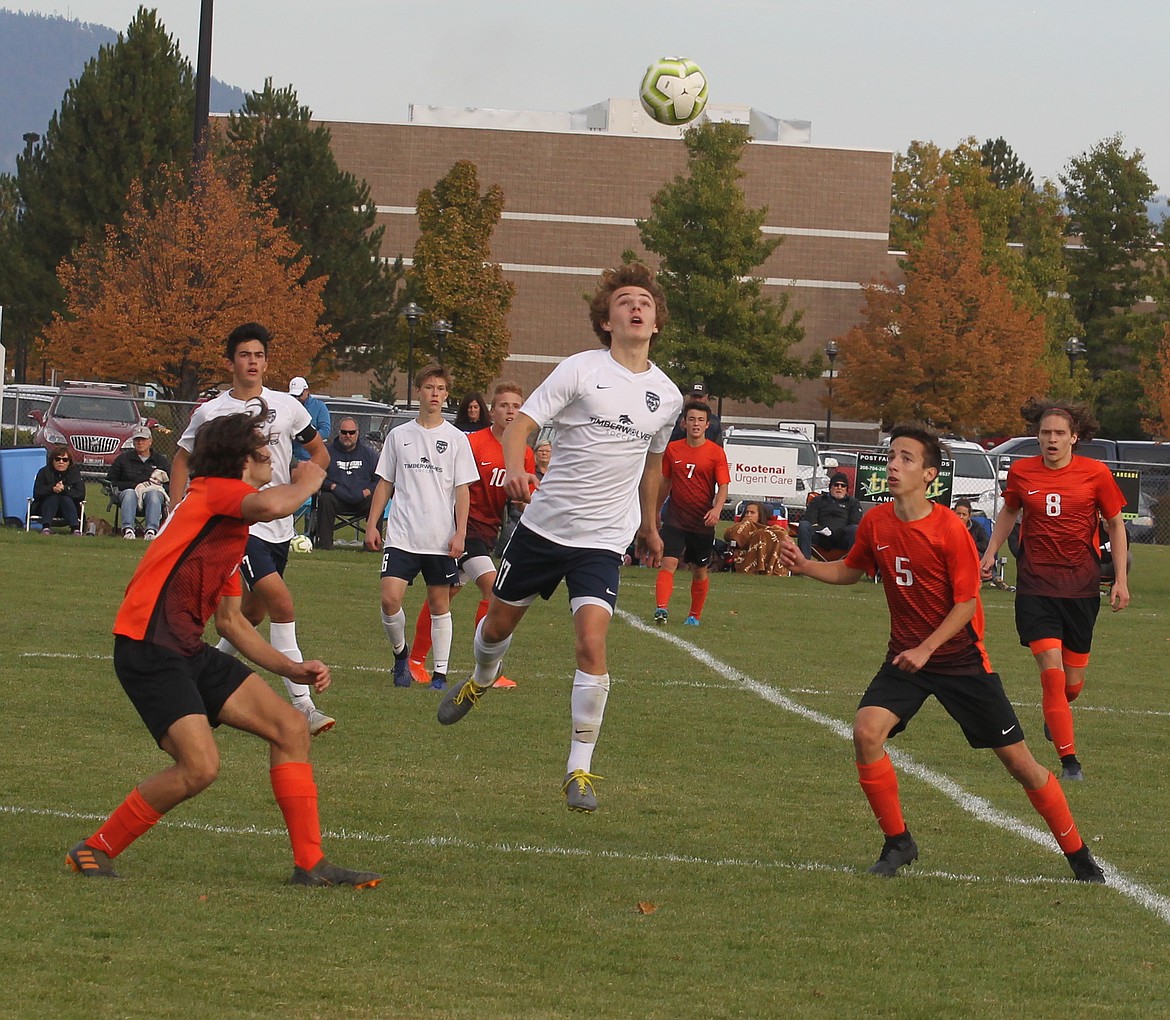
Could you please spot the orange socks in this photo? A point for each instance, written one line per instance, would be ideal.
(422, 634)
(699, 591)
(132, 818)
(663, 588)
(296, 794)
(481, 611)
(879, 781)
(1052, 805)
(1057, 714)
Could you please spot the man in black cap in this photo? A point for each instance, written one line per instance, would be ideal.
(830, 520)
(714, 426)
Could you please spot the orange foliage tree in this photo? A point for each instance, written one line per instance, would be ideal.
(155, 300)
(953, 347)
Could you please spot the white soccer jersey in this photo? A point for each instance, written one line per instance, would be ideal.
(425, 466)
(607, 418)
(287, 417)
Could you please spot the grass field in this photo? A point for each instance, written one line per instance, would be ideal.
(730, 805)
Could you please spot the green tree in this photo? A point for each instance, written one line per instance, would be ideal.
(327, 211)
(722, 329)
(128, 115)
(1004, 166)
(455, 278)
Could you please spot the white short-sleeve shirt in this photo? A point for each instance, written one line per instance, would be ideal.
(607, 419)
(287, 417)
(425, 466)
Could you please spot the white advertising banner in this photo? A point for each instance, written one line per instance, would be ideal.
(766, 473)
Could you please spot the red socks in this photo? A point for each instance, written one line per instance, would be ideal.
(1057, 714)
(296, 794)
(699, 591)
(1052, 805)
(663, 588)
(422, 634)
(879, 781)
(132, 818)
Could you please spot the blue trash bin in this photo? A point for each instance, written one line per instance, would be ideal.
(18, 470)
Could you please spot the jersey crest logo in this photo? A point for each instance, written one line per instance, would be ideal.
(652, 401)
(441, 445)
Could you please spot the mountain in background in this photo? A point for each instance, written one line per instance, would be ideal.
(39, 57)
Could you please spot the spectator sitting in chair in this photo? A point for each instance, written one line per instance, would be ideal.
(134, 468)
(349, 481)
(58, 490)
(978, 533)
(830, 520)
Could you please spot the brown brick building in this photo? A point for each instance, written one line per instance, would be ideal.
(571, 199)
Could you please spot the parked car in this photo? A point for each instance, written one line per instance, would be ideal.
(20, 400)
(94, 421)
(757, 471)
(974, 477)
(373, 418)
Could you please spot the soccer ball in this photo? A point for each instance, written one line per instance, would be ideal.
(674, 90)
(301, 544)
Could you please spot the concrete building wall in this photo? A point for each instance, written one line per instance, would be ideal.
(571, 200)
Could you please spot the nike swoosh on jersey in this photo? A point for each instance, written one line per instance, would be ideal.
(881, 547)
(1032, 492)
(600, 387)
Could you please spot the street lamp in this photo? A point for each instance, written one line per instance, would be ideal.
(442, 329)
(411, 313)
(30, 139)
(1075, 351)
(831, 352)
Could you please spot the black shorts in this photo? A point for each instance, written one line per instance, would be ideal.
(533, 566)
(406, 566)
(976, 701)
(1070, 621)
(691, 547)
(262, 558)
(165, 685)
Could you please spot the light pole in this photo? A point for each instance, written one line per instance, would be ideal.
(1075, 351)
(442, 329)
(411, 313)
(30, 139)
(831, 352)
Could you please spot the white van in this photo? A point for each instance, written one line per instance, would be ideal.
(975, 476)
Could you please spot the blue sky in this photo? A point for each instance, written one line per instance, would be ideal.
(1052, 77)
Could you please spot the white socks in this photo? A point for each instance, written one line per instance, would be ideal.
(488, 658)
(283, 637)
(441, 630)
(395, 628)
(588, 702)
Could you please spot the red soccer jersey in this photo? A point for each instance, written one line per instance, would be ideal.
(188, 568)
(1060, 555)
(694, 473)
(486, 513)
(927, 567)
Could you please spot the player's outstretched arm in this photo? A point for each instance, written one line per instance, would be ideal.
(1119, 543)
(233, 625)
(913, 659)
(281, 500)
(1003, 527)
(518, 480)
(648, 490)
(831, 573)
(382, 493)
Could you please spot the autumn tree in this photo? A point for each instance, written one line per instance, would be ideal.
(455, 278)
(129, 112)
(327, 211)
(156, 297)
(953, 347)
(722, 328)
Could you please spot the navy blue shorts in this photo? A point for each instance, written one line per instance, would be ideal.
(406, 566)
(976, 701)
(1070, 621)
(262, 558)
(691, 547)
(533, 566)
(165, 685)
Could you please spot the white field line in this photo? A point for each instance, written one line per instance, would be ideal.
(976, 806)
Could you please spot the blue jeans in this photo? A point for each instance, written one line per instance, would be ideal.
(57, 504)
(152, 506)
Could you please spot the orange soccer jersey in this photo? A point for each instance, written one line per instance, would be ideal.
(927, 567)
(694, 473)
(1060, 555)
(188, 568)
(486, 512)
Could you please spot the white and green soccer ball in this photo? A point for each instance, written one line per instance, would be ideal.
(301, 544)
(674, 90)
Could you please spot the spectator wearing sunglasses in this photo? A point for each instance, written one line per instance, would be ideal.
(349, 480)
(58, 491)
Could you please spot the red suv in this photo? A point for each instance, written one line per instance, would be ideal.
(93, 421)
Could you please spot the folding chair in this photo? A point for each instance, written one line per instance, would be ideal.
(58, 521)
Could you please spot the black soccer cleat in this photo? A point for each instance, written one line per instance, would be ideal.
(1071, 771)
(324, 874)
(90, 861)
(1084, 868)
(897, 852)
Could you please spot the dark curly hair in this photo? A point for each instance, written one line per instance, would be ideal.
(632, 274)
(932, 449)
(1081, 421)
(223, 445)
(248, 331)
